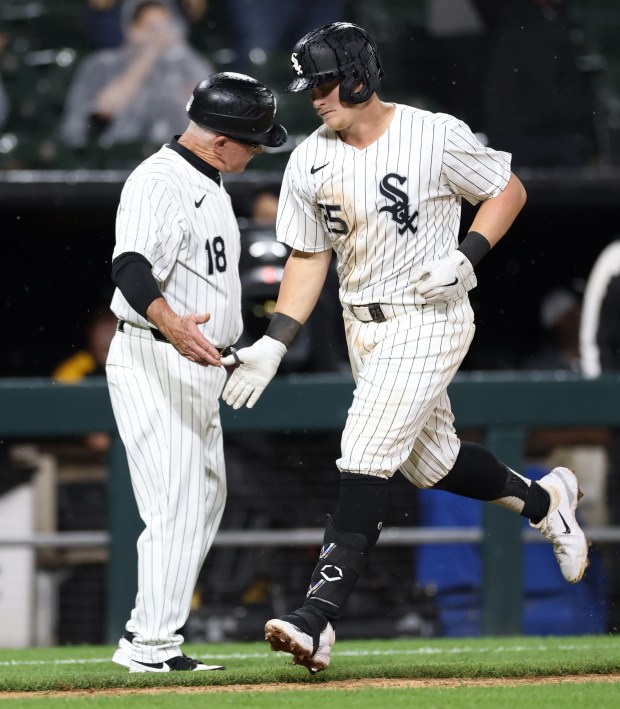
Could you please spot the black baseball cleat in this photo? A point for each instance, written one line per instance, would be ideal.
(182, 663)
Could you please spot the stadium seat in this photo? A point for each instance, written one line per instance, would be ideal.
(453, 572)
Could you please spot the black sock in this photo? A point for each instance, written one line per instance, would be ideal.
(536, 504)
(478, 474)
(362, 506)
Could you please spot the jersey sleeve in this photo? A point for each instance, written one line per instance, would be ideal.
(470, 169)
(149, 222)
(298, 223)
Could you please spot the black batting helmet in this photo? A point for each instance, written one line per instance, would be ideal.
(237, 106)
(340, 50)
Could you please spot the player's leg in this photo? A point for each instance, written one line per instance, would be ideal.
(394, 395)
(476, 473)
(350, 535)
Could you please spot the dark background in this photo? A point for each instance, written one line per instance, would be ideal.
(58, 243)
(538, 78)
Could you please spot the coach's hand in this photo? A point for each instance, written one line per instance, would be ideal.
(447, 279)
(188, 340)
(257, 367)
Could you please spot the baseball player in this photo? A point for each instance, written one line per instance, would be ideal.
(380, 184)
(178, 301)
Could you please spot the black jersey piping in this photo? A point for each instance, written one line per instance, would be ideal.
(194, 160)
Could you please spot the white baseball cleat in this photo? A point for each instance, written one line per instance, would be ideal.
(122, 654)
(285, 637)
(560, 525)
(182, 663)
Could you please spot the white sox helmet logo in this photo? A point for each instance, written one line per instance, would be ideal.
(296, 64)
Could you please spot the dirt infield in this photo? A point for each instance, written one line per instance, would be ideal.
(336, 685)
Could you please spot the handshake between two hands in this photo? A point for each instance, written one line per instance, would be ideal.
(257, 367)
(437, 282)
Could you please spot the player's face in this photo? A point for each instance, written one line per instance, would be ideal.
(239, 154)
(336, 114)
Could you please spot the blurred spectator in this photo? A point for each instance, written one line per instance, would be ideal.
(138, 91)
(4, 105)
(4, 99)
(262, 27)
(560, 315)
(265, 206)
(600, 349)
(104, 19)
(600, 326)
(577, 448)
(90, 362)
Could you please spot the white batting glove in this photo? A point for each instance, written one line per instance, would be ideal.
(448, 279)
(259, 363)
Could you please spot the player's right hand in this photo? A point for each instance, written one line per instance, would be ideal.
(259, 363)
(187, 340)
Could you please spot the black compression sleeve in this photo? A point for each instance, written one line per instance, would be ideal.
(132, 275)
(474, 246)
(283, 328)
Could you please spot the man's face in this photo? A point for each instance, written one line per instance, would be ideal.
(154, 25)
(237, 154)
(336, 114)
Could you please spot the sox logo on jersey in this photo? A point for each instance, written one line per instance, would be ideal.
(385, 210)
(400, 209)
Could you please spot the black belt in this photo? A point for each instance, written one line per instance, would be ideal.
(160, 337)
(157, 335)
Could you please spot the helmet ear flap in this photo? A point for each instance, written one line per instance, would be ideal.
(348, 85)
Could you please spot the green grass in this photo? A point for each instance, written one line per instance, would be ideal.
(66, 668)
(582, 696)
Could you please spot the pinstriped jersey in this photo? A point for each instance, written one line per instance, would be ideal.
(390, 207)
(181, 220)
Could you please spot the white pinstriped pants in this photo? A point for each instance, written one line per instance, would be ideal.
(167, 413)
(400, 417)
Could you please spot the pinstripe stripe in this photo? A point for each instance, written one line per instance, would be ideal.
(157, 217)
(441, 161)
(168, 415)
(166, 407)
(400, 411)
(400, 417)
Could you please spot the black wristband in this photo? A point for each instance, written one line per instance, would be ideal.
(132, 275)
(474, 246)
(283, 328)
